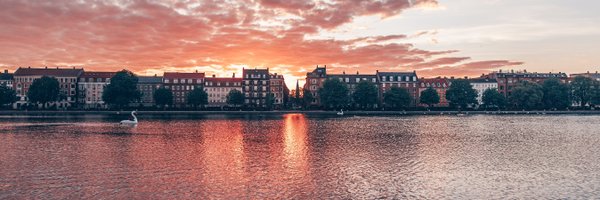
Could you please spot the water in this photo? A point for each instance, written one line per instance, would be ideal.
(299, 157)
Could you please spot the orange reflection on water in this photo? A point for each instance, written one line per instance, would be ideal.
(296, 144)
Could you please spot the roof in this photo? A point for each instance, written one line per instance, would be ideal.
(482, 80)
(149, 79)
(396, 73)
(6, 76)
(98, 74)
(435, 81)
(169, 75)
(214, 81)
(57, 72)
(256, 70)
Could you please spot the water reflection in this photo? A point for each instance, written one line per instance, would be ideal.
(298, 157)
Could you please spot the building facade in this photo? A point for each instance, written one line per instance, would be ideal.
(314, 81)
(481, 85)
(595, 76)
(256, 86)
(181, 84)
(441, 85)
(279, 90)
(6, 79)
(406, 80)
(90, 88)
(147, 85)
(508, 80)
(218, 88)
(67, 79)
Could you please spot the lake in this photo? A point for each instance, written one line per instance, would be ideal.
(295, 156)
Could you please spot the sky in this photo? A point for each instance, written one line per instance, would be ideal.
(291, 37)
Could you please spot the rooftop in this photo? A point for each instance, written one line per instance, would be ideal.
(57, 72)
(193, 75)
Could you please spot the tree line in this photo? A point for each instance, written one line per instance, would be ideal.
(552, 94)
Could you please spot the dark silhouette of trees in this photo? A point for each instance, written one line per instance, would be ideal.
(582, 90)
(235, 98)
(122, 89)
(163, 97)
(334, 94)
(429, 97)
(493, 99)
(197, 97)
(7, 95)
(44, 90)
(527, 96)
(396, 98)
(461, 94)
(556, 94)
(365, 94)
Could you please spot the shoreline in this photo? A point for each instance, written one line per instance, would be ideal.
(309, 113)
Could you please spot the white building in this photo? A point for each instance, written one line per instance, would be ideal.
(218, 88)
(90, 88)
(481, 85)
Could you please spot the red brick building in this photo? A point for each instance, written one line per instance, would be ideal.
(441, 85)
(181, 84)
(406, 80)
(67, 79)
(314, 81)
(508, 80)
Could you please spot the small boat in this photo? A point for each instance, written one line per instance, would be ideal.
(341, 112)
(130, 122)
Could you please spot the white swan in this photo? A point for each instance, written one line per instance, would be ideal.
(341, 112)
(130, 122)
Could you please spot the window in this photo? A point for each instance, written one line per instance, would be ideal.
(347, 80)
(357, 80)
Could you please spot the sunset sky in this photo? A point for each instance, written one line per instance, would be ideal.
(434, 37)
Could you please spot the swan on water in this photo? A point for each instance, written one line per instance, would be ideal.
(130, 122)
(341, 112)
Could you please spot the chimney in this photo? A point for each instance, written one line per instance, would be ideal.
(377, 71)
(233, 75)
(196, 71)
(73, 67)
(214, 76)
(155, 75)
(6, 71)
(44, 68)
(325, 67)
(466, 77)
(344, 72)
(356, 72)
(452, 77)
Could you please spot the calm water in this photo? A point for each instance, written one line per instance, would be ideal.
(299, 157)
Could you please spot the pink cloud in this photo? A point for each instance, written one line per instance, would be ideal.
(148, 36)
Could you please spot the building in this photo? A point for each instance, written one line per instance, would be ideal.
(218, 88)
(508, 80)
(90, 88)
(67, 79)
(407, 80)
(147, 85)
(279, 90)
(6, 79)
(481, 85)
(595, 76)
(256, 87)
(441, 85)
(181, 84)
(314, 81)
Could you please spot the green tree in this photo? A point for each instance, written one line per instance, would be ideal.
(163, 97)
(197, 97)
(365, 94)
(527, 95)
(493, 99)
(582, 89)
(429, 97)
(397, 98)
(333, 94)
(235, 98)
(122, 89)
(270, 101)
(461, 94)
(596, 97)
(44, 90)
(307, 99)
(7, 95)
(556, 94)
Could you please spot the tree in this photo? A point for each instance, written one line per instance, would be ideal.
(397, 98)
(527, 95)
(7, 95)
(365, 94)
(596, 97)
(556, 94)
(461, 94)
(197, 97)
(493, 99)
(582, 88)
(307, 98)
(429, 97)
(270, 101)
(44, 90)
(122, 89)
(163, 97)
(333, 94)
(235, 97)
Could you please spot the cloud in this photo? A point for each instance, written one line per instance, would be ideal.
(217, 36)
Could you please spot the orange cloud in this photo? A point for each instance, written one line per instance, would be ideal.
(216, 36)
